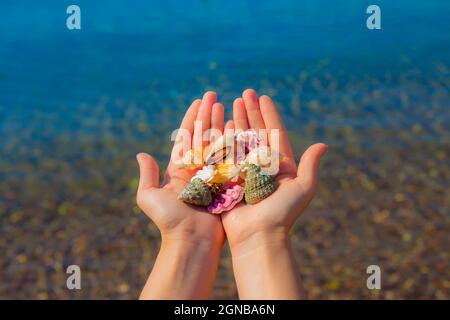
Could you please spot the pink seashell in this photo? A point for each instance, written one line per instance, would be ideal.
(250, 139)
(227, 200)
(247, 141)
(233, 193)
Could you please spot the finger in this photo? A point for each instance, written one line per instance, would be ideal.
(273, 121)
(148, 172)
(229, 136)
(308, 168)
(229, 127)
(251, 103)
(240, 115)
(203, 120)
(191, 114)
(183, 139)
(217, 121)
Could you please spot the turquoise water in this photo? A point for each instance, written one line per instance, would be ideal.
(76, 106)
(159, 55)
(125, 47)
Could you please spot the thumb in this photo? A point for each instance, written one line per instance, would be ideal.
(148, 172)
(308, 168)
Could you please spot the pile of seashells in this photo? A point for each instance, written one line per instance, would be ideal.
(236, 167)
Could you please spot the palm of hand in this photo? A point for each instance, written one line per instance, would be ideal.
(277, 212)
(296, 186)
(173, 217)
(176, 218)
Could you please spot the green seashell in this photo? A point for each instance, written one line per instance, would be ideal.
(197, 193)
(258, 186)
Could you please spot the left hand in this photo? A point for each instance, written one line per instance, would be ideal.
(274, 215)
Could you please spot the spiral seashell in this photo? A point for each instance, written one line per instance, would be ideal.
(196, 192)
(258, 186)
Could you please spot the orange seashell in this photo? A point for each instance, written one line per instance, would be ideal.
(226, 172)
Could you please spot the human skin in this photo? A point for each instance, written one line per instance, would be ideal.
(191, 238)
(263, 263)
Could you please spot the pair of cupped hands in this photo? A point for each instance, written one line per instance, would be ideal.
(245, 226)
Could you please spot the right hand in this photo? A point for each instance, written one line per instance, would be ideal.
(175, 219)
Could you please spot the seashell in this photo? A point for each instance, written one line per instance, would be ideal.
(260, 156)
(197, 193)
(219, 155)
(263, 157)
(247, 141)
(207, 173)
(220, 150)
(226, 172)
(258, 186)
(227, 200)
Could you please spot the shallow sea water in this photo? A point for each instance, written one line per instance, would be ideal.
(76, 106)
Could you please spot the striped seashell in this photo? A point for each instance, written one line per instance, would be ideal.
(220, 150)
(258, 186)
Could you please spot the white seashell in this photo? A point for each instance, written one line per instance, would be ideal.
(206, 173)
(250, 138)
(261, 156)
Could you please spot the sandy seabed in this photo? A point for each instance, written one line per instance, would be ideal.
(67, 196)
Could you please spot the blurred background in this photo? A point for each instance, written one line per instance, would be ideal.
(76, 106)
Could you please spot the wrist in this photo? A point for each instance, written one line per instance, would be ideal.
(192, 235)
(264, 240)
(190, 244)
(184, 269)
(265, 268)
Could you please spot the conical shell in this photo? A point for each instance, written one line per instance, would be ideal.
(258, 186)
(197, 193)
